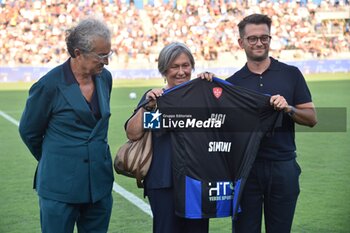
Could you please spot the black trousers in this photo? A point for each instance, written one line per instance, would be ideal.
(272, 189)
(164, 218)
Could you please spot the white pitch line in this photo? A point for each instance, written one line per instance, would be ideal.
(9, 118)
(116, 187)
(132, 198)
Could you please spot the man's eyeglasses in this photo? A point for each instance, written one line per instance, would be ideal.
(102, 57)
(264, 39)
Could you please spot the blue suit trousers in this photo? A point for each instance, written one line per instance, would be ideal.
(60, 217)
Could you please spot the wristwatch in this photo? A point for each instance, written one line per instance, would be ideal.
(292, 111)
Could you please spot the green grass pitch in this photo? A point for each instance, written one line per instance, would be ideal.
(323, 206)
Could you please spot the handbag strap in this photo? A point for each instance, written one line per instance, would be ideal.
(138, 176)
(142, 104)
(138, 173)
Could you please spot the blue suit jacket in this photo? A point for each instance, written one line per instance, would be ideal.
(69, 143)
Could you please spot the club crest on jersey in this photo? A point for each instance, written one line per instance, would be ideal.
(217, 91)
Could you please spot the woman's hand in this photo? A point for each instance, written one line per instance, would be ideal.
(152, 95)
(206, 75)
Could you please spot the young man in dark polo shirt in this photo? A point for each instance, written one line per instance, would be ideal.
(273, 184)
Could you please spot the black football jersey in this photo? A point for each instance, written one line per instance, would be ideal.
(215, 132)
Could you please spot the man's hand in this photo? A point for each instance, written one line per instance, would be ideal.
(279, 103)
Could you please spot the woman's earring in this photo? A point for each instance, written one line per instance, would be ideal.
(164, 80)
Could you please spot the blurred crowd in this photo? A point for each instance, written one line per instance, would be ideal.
(33, 32)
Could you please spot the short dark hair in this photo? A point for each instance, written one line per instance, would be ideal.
(253, 19)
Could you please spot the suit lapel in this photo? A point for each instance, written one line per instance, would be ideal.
(71, 92)
(73, 96)
(102, 93)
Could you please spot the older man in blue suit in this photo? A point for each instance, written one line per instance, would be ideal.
(64, 125)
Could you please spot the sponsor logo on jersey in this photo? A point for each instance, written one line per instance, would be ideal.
(157, 120)
(217, 91)
(152, 120)
(219, 147)
(190, 123)
(218, 117)
(220, 191)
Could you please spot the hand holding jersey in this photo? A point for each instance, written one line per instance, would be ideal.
(209, 161)
(152, 95)
(175, 64)
(272, 188)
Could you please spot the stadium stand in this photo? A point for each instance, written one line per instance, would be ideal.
(32, 32)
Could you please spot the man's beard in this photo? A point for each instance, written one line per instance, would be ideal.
(258, 58)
